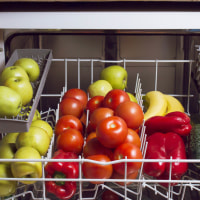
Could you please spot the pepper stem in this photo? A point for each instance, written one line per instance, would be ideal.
(59, 175)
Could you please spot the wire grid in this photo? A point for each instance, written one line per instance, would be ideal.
(137, 185)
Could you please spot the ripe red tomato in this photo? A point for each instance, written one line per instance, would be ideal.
(133, 175)
(94, 147)
(78, 94)
(109, 195)
(66, 122)
(71, 140)
(114, 98)
(70, 106)
(98, 115)
(97, 171)
(131, 112)
(133, 138)
(130, 151)
(91, 135)
(94, 103)
(112, 131)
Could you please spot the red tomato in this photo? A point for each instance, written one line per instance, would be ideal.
(91, 135)
(114, 98)
(71, 106)
(71, 140)
(94, 147)
(89, 128)
(97, 171)
(130, 151)
(78, 94)
(109, 195)
(94, 103)
(133, 138)
(100, 114)
(131, 112)
(133, 175)
(112, 131)
(83, 118)
(66, 122)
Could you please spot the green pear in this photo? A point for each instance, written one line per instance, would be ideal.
(30, 66)
(9, 138)
(99, 88)
(36, 137)
(22, 86)
(116, 76)
(12, 71)
(10, 102)
(27, 169)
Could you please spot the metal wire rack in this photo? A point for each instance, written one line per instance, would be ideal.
(88, 191)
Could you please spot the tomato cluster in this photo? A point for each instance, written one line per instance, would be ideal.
(69, 128)
(111, 132)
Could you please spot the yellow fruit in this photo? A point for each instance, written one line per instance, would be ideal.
(155, 103)
(173, 104)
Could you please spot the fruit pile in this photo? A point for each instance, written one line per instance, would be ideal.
(16, 89)
(33, 144)
(104, 127)
(166, 126)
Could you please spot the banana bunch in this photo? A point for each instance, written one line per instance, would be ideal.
(159, 104)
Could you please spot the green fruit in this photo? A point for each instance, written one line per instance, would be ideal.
(27, 169)
(7, 187)
(10, 102)
(116, 76)
(44, 125)
(22, 86)
(30, 66)
(99, 88)
(7, 151)
(132, 97)
(9, 138)
(12, 71)
(26, 111)
(36, 137)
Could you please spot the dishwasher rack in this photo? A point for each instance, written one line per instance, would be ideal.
(136, 190)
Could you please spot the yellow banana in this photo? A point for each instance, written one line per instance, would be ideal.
(173, 104)
(156, 104)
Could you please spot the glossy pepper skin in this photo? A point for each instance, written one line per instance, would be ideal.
(165, 146)
(176, 122)
(62, 189)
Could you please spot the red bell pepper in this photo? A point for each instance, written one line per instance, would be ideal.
(176, 122)
(62, 189)
(165, 146)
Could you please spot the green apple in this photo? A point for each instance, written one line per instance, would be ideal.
(36, 137)
(116, 76)
(30, 66)
(22, 86)
(9, 138)
(10, 102)
(27, 169)
(7, 187)
(132, 97)
(26, 111)
(99, 87)
(44, 125)
(12, 71)
(7, 151)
